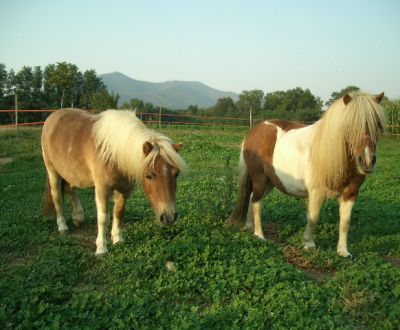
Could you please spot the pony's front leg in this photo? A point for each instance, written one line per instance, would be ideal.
(345, 208)
(102, 196)
(119, 207)
(316, 198)
(77, 209)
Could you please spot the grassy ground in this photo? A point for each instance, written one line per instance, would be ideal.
(221, 278)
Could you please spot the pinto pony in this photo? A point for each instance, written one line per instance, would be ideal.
(330, 158)
(110, 152)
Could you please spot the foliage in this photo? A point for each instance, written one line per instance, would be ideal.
(104, 100)
(221, 278)
(58, 85)
(392, 108)
(295, 104)
(250, 101)
(343, 92)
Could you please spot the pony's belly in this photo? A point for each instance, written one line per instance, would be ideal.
(290, 184)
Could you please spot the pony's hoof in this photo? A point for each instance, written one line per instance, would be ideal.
(345, 254)
(260, 236)
(77, 223)
(78, 219)
(100, 255)
(63, 232)
(117, 240)
(309, 246)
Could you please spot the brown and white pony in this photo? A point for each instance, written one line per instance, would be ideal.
(330, 158)
(110, 152)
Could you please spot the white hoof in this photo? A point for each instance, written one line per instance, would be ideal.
(101, 252)
(309, 246)
(260, 236)
(117, 239)
(78, 219)
(344, 253)
(63, 231)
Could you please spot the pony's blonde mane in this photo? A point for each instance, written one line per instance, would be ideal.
(339, 134)
(119, 136)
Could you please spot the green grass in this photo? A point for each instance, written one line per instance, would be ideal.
(222, 278)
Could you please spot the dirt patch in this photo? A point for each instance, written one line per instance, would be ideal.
(6, 160)
(395, 261)
(294, 256)
(271, 232)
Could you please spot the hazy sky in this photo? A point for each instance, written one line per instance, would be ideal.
(229, 45)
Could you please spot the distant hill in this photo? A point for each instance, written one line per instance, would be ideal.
(173, 94)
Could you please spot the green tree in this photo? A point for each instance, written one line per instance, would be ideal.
(343, 92)
(91, 84)
(3, 85)
(62, 77)
(104, 100)
(37, 101)
(225, 106)
(249, 100)
(293, 104)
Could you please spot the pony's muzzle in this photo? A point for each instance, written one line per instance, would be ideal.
(168, 219)
(365, 165)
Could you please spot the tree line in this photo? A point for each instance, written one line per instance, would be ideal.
(56, 86)
(64, 85)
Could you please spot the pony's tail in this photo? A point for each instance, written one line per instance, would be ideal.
(47, 202)
(239, 213)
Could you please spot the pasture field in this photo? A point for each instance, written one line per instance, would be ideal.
(221, 278)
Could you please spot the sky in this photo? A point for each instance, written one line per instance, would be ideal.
(229, 45)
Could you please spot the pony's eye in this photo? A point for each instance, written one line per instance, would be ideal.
(149, 176)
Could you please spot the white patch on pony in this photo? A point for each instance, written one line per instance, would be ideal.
(291, 159)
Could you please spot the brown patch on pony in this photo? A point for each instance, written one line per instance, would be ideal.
(258, 151)
(256, 171)
(286, 125)
(350, 190)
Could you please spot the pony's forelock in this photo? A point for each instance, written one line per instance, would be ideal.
(340, 133)
(119, 136)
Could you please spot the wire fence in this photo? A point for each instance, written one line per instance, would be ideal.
(16, 119)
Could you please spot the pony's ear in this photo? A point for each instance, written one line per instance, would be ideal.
(147, 148)
(177, 147)
(378, 98)
(346, 99)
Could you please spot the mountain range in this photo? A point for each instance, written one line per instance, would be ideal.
(173, 94)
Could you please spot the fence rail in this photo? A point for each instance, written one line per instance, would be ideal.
(164, 119)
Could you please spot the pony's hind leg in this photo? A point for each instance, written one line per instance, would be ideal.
(55, 182)
(102, 196)
(316, 198)
(119, 207)
(261, 187)
(77, 209)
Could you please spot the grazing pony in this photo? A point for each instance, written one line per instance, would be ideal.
(110, 152)
(330, 158)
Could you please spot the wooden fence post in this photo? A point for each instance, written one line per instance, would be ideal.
(16, 112)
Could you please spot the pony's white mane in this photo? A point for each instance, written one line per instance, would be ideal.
(339, 134)
(119, 136)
